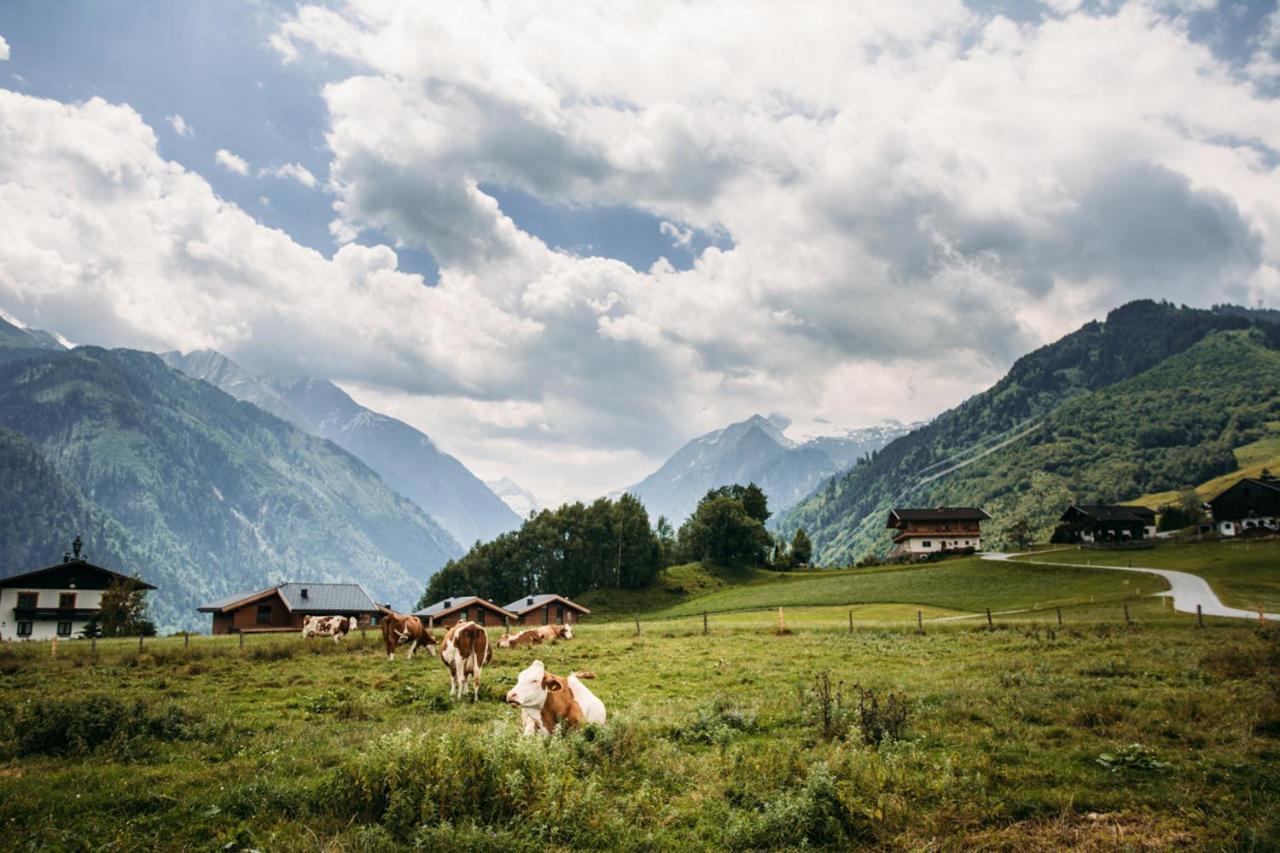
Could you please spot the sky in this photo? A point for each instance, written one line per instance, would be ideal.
(564, 239)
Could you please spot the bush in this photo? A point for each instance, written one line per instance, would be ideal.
(880, 720)
(815, 814)
(86, 724)
(825, 705)
(717, 724)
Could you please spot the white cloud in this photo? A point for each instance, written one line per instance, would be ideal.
(231, 162)
(180, 126)
(291, 171)
(680, 237)
(916, 195)
(4, 49)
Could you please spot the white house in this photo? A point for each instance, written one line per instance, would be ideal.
(58, 601)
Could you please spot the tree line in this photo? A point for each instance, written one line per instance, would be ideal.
(610, 543)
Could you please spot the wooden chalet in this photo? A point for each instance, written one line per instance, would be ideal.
(546, 609)
(57, 601)
(461, 608)
(283, 607)
(1252, 504)
(924, 532)
(1095, 523)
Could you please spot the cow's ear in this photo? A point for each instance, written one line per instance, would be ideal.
(551, 684)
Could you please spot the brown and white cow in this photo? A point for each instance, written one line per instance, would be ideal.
(524, 638)
(546, 701)
(328, 626)
(465, 652)
(400, 628)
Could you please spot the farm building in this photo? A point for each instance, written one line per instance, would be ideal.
(56, 601)
(1251, 504)
(1090, 523)
(922, 532)
(547, 609)
(283, 607)
(460, 608)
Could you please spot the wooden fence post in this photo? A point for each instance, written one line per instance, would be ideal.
(1199, 616)
(186, 639)
(637, 624)
(850, 621)
(93, 645)
(1126, 615)
(139, 642)
(53, 647)
(242, 639)
(1059, 609)
(782, 626)
(704, 623)
(990, 624)
(920, 621)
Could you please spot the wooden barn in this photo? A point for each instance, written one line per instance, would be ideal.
(923, 532)
(283, 607)
(1251, 504)
(1090, 523)
(546, 609)
(460, 608)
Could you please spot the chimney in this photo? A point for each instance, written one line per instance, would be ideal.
(530, 600)
(448, 603)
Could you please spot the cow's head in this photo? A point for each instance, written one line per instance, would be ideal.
(504, 642)
(566, 631)
(532, 687)
(354, 623)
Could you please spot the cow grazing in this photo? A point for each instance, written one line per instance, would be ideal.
(465, 652)
(546, 701)
(328, 626)
(400, 628)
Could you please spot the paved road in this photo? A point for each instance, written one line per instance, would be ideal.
(1186, 590)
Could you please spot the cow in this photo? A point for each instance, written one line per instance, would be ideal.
(328, 626)
(551, 633)
(546, 701)
(524, 638)
(465, 652)
(400, 628)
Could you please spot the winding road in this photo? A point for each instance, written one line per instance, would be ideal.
(1185, 589)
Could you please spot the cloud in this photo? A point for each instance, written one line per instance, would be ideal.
(231, 162)
(180, 127)
(916, 195)
(291, 171)
(681, 238)
(4, 49)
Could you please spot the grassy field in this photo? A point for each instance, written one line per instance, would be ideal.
(1093, 736)
(1243, 573)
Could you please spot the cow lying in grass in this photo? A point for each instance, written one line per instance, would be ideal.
(546, 701)
(465, 652)
(536, 636)
(400, 628)
(328, 626)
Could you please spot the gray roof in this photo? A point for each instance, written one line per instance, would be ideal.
(448, 605)
(320, 598)
(531, 602)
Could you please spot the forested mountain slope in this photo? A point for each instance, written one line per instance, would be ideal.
(214, 496)
(845, 517)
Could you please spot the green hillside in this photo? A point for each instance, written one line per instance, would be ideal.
(1153, 398)
(217, 496)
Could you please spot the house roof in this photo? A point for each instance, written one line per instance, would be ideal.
(941, 513)
(1099, 512)
(522, 606)
(67, 565)
(448, 605)
(1266, 482)
(319, 598)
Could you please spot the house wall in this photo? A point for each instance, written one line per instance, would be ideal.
(922, 546)
(479, 614)
(44, 629)
(246, 618)
(549, 614)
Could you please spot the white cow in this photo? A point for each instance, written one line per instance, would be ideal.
(547, 700)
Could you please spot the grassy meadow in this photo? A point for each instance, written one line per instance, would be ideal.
(1095, 735)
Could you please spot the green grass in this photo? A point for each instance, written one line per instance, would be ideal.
(1243, 573)
(712, 741)
(676, 584)
(965, 585)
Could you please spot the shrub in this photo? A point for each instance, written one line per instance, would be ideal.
(815, 814)
(717, 723)
(878, 720)
(825, 704)
(86, 724)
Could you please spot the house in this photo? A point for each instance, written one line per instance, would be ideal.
(922, 532)
(57, 601)
(283, 607)
(1090, 523)
(460, 608)
(1251, 504)
(547, 609)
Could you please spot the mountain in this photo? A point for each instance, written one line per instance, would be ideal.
(521, 502)
(404, 457)
(202, 494)
(755, 450)
(1152, 398)
(17, 343)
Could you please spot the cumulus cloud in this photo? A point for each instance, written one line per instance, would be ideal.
(231, 162)
(4, 49)
(180, 127)
(916, 195)
(291, 171)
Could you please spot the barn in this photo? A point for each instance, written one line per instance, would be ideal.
(460, 608)
(546, 609)
(1089, 523)
(922, 532)
(1253, 503)
(283, 607)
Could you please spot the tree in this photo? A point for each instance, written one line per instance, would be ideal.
(123, 607)
(722, 531)
(801, 548)
(1019, 532)
(751, 496)
(666, 541)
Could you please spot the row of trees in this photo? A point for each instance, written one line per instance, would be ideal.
(577, 548)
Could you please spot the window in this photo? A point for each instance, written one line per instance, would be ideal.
(64, 629)
(926, 544)
(264, 614)
(27, 600)
(479, 615)
(67, 601)
(24, 629)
